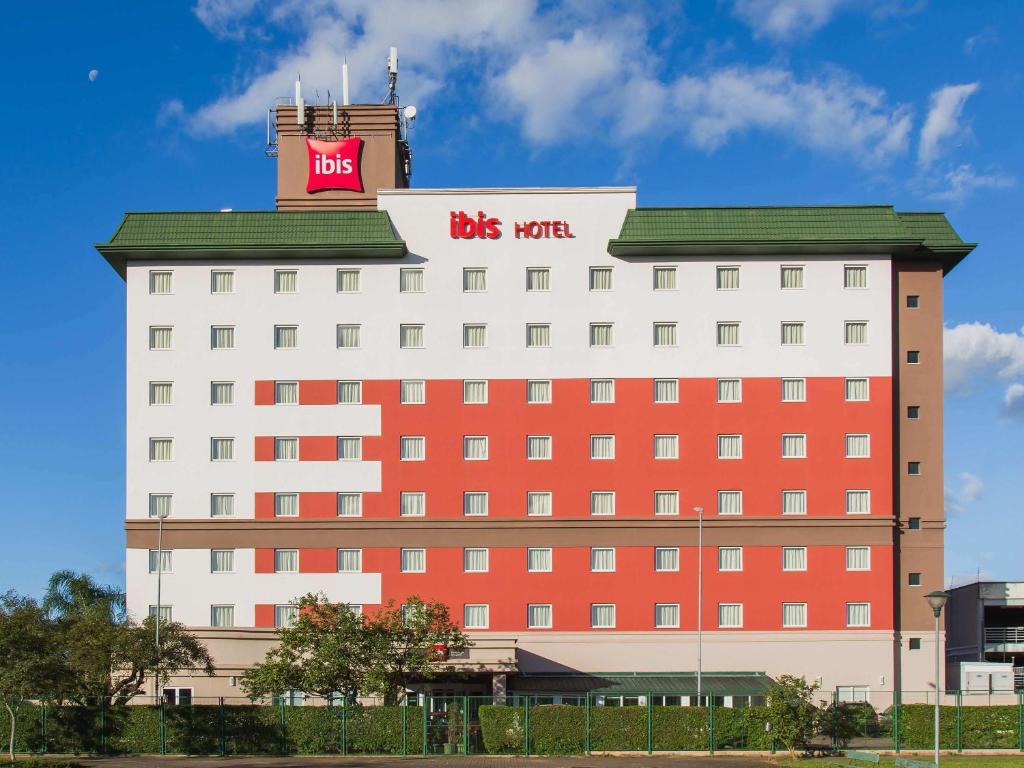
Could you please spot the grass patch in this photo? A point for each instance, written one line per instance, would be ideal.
(971, 761)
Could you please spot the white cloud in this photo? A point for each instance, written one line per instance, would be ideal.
(972, 350)
(783, 20)
(964, 180)
(225, 18)
(943, 120)
(970, 490)
(1013, 402)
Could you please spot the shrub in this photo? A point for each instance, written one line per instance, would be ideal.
(378, 730)
(618, 729)
(679, 728)
(502, 729)
(558, 729)
(742, 728)
(980, 727)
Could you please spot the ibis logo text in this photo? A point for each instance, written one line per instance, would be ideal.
(463, 226)
(334, 165)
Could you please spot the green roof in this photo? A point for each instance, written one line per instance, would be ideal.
(639, 683)
(248, 234)
(816, 229)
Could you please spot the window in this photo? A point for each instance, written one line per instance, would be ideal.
(538, 335)
(348, 281)
(730, 502)
(914, 468)
(474, 279)
(538, 503)
(858, 614)
(286, 336)
(350, 392)
(286, 281)
(913, 411)
(538, 391)
(474, 447)
(856, 332)
(666, 615)
(160, 560)
(600, 278)
(350, 505)
(914, 523)
(858, 502)
(160, 504)
(727, 334)
(165, 614)
(222, 392)
(475, 560)
(538, 559)
(286, 449)
(794, 390)
(730, 615)
(160, 448)
(730, 390)
(730, 558)
(222, 282)
(538, 447)
(794, 558)
(222, 505)
(666, 390)
(348, 337)
(601, 335)
(913, 357)
(858, 558)
(160, 392)
(794, 615)
(913, 579)
(410, 336)
(538, 616)
(602, 390)
(412, 448)
(474, 335)
(160, 337)
(602, 503)
(664, 334)
(792, 277)
(286, 393)
(286, 505)
(913, 302)
(410, 280)
(538, 279)
(350, 448)
(222, 561)
(413, 504)
(794, 446)
(730, 446)
(856, 389)
(664, 278)
(602, 559)
(285, 615)
(222, 615)
(915, 643)
(414, 560)
(855, 276)
(286, 561)
(727, 278)
(666, 559)
(413, 392)
(160, 282)
(474, 616)
(602, 446)
(792, 333)
(858, 446)
(666, 502)
(222, 337)
(602, 616)
(474, 503)
(666, 446)
(794, 502)
(474, 392)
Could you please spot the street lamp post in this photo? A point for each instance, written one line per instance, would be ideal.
(937, 600)
(700, 596)
(161, 515)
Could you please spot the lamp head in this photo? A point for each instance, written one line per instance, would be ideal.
(163, 514)
(699, 510)
(937, 600)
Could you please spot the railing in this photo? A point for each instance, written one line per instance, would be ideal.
(1018, 678)
(1004, 635)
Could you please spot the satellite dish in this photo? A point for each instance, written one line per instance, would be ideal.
(409, 112)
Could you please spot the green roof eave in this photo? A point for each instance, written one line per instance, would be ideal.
(626, 248)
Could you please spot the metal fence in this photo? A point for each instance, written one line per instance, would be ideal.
(511, 725)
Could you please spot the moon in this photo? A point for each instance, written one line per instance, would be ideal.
(93, 74)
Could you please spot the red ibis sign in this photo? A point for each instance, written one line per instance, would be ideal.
(463, 226)
(335, 164)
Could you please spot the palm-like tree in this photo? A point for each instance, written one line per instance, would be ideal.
(70, 595)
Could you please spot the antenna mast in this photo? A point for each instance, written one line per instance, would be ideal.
(393, 76)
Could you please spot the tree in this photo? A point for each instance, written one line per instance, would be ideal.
(403, 644)
(322, 654)
(30, 657)
(792, 712)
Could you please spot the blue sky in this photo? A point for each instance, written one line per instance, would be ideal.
(912, 103)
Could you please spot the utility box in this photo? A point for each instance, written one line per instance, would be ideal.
(986, 677)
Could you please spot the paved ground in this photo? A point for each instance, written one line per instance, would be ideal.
(625, 761)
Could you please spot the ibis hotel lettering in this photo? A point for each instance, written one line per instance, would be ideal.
(334, 164)
(465, 227)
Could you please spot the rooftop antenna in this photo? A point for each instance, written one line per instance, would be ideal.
(300, 106)
(344, 82)
(393, 76)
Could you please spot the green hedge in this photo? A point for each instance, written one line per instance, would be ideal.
(992, 727)
(558, 729)
(502, 729)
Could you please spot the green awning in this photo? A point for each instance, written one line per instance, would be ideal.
(640, 683)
